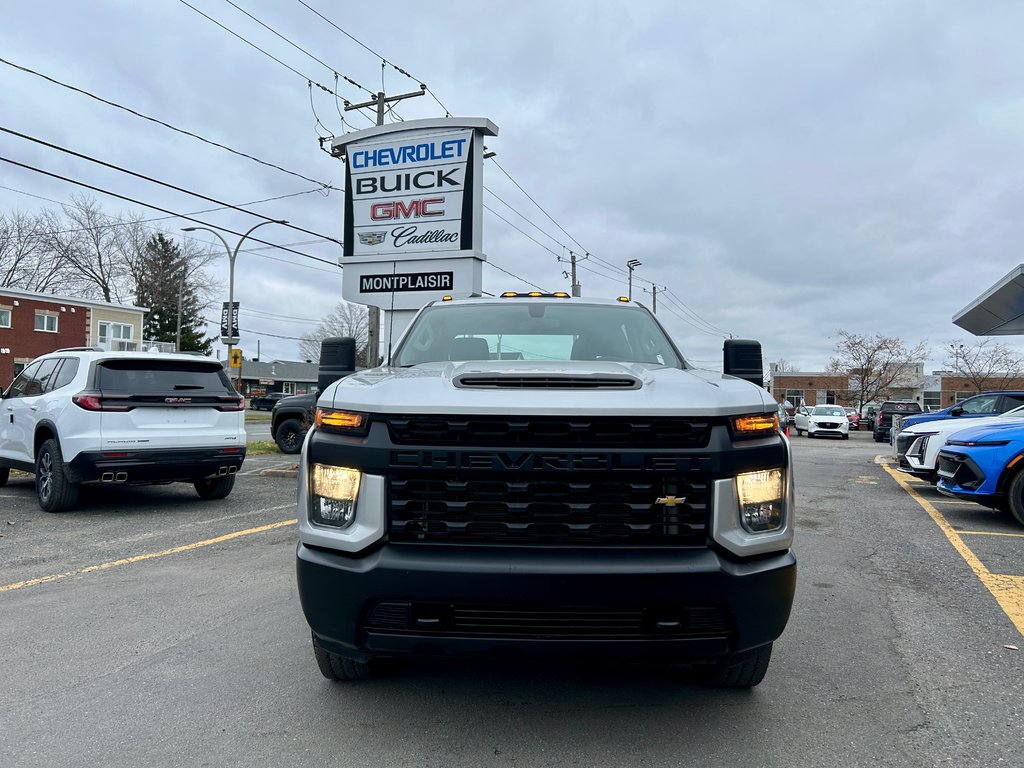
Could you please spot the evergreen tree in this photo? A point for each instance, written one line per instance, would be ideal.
(165, 284)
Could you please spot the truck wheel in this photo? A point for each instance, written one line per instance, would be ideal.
(742, 670)
(214, 488)
(1015, 498)
(289, 436)
(53, 489)
(340, 669)
(5, 472)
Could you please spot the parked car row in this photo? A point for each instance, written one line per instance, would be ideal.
(973, 455)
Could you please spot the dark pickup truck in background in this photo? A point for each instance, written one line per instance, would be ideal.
(885, 412)
(291, 419)
(265, 402)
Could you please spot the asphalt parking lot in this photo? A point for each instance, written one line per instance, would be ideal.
(148, 627)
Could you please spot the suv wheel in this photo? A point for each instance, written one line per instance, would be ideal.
(5, 473)
(53, 489)
(289, 436)
(214, 488)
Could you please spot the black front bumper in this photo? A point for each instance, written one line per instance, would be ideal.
(659, 605)
(156, 466)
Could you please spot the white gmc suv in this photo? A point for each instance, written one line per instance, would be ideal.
(83, 416)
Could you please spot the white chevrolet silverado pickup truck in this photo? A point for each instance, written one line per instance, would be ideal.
(539, 475)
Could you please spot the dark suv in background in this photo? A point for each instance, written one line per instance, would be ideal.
(885, 413)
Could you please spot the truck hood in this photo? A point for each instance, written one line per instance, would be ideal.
(539, 388)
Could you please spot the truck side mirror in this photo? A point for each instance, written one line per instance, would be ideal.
(742, 359)
(337, 360)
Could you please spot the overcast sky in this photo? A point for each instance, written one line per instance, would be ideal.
(785, 170)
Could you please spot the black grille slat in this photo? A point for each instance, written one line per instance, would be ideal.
(551, 621)
(545, 431)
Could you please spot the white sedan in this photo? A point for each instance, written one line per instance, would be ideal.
(917, 447)
(821, 420)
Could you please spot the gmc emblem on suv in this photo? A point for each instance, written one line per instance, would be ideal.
(177, 400)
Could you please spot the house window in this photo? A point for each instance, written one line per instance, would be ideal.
(288, 387)
(5, 317)
(795, 396)
(114, 332)
(46, 322)
(932, 401)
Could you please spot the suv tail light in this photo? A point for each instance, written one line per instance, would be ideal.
(96, 401)
(231, 403)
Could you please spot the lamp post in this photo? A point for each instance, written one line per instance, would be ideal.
(232, 330)
(631, 265)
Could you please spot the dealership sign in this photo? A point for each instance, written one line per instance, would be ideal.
(414, 188)
(410, 192)
(413, 210)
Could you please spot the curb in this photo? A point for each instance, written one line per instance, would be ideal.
(280, 472)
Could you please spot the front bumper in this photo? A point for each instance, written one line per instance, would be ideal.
(427, 601)
(155, 466)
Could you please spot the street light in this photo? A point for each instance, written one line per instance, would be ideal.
(231, 272)
(631, 265)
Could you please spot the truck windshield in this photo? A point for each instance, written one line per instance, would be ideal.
(539, 331)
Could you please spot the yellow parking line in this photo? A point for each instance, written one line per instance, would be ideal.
(147, 556)
(991, 533)
(1007, 590)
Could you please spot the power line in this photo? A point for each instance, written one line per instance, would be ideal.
(155, 218)
(297, 47)
(157, 208)
(167, 125)
(176, 188)
(265, 53)
(384, 61)
(256, 333)
(517, 277)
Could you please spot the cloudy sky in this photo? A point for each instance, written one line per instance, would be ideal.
(782, 170)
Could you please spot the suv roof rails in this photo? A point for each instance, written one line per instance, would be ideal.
(79, 349)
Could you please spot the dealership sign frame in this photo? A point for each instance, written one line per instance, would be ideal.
(413, 211)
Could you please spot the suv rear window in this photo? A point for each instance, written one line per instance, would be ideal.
(141, 377)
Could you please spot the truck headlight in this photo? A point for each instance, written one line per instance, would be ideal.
(760, 496)
(334, 491)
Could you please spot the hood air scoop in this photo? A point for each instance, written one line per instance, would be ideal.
(546, 381)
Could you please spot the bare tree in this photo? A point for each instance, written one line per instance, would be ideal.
(986, 364)
(25, 261)
(346, 320)
(875, 365)
(94, 250)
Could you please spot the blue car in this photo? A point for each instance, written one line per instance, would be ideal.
(985, 464)
(986, 404)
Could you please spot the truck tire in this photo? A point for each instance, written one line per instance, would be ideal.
(289, 436)
(5, 473)
(53, 489)
(338, 668)
(214, 488)
(1015, 498)
(742, 670)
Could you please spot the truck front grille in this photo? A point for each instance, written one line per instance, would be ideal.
(576, 508)
(544, 431)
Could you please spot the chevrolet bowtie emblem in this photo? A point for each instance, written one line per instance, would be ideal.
(671, 501)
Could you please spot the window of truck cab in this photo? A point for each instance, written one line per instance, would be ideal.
(539, 331)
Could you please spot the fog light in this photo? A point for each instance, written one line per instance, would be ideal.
(760, 496)
(333, 494)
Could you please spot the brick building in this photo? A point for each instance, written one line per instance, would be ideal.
(32, 324)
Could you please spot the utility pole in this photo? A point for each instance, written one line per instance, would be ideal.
(631, 265)
(373, 316)
(575, 285)
(654, 298)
